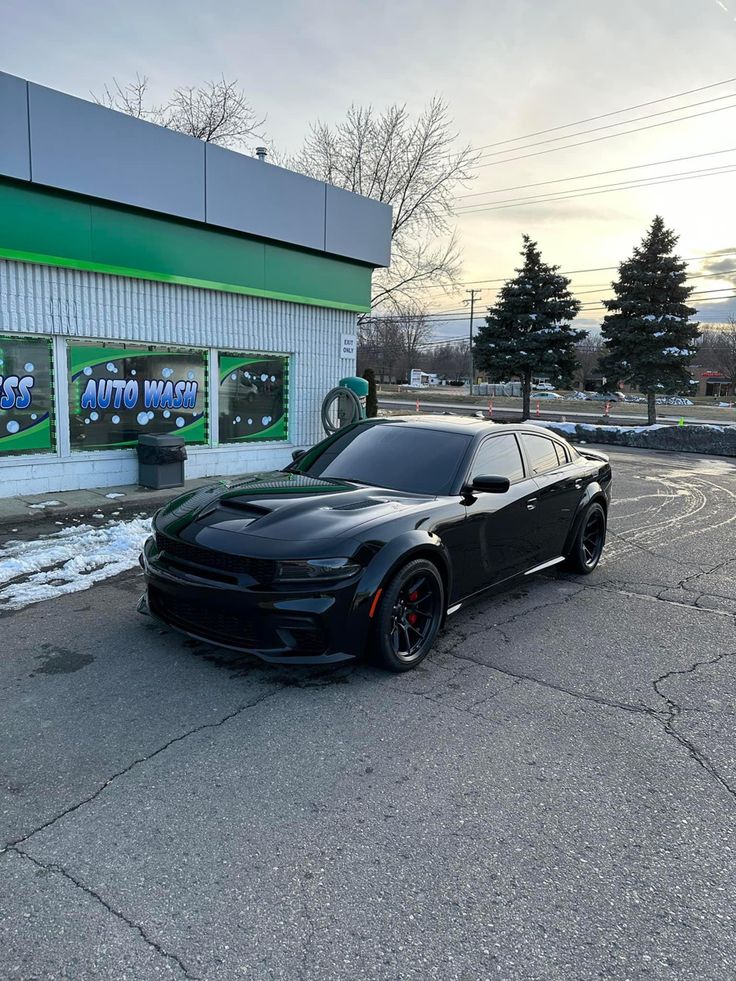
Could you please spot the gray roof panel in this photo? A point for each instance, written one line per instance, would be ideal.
(258, 198)
(59, 141)
(15, 156)
(79, 146)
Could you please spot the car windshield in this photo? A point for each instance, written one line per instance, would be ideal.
(397, 456)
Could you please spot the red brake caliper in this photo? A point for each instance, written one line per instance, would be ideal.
(412, 617)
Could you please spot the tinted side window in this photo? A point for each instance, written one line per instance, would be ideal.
(541, 452)
(396, 456)
(562, 454)
(499, 457)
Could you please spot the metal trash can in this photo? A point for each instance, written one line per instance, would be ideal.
(161, 461)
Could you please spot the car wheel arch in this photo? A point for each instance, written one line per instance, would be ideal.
(594, 495)
(416, 545)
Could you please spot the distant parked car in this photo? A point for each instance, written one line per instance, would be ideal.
(546, 395)
(543, 387)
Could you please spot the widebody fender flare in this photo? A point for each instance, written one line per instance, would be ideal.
(593, 492)
(399, 551)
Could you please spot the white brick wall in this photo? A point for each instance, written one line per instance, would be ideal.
(67, 303)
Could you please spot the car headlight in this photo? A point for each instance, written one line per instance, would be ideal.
(301, 570)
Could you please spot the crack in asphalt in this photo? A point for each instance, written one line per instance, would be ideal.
(499, 624)
(87, 890)
(659, 598)
(674, 710)
(636, 709)
(137, 762)
(461, 709)
(665, 719)
(633, 543)
(311, 928)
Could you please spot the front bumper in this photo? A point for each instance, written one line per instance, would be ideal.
(311, 624)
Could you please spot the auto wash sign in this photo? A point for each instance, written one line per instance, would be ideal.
(116, 393)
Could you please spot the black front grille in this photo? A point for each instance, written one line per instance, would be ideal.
(246, 631)
(217, 625)
(262, 570)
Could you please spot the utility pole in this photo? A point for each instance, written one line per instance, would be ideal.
(473, 294)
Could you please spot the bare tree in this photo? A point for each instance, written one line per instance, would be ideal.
(718, 350)
(216, 112)
(448, 360)
(393, 344)
(411, 164)
(589, 352)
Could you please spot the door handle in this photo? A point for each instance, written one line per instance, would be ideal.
(531, 504)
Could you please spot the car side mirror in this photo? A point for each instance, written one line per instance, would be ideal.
(490, 485)
(297, 455)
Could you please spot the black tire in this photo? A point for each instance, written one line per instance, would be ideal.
(409, 615)
(585, 553)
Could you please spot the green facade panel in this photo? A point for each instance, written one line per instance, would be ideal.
(62, 230)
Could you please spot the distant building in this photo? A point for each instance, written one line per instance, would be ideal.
(711, 383)
(422, 379)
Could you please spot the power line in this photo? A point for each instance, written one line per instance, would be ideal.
(598, 173)
(615, 185)
(598, 139)
(608, 189)
(575, 272)
(699, 295)
(623, 122)
(458, 316)
(606, 115)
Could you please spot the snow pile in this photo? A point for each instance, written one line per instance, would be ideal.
(68, 561)
(45, 504)
(573, 427)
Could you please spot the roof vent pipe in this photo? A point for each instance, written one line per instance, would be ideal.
(261, 152)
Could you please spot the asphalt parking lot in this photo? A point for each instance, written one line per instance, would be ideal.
(551, 795)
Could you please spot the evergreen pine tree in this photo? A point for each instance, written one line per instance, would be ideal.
(528, 329)
(371, 402)
(649, 338)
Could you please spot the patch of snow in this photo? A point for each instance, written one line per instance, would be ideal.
(113, 495)
(68, 561)
(46, 504)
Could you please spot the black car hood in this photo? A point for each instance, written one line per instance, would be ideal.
(282, 514)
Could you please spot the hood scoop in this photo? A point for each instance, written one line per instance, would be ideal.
(244, 508)
(371, 502)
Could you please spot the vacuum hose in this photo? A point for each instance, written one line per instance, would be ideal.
(341, 407)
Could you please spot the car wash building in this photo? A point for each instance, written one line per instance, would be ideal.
(153, 283)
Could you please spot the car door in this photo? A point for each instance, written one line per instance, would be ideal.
(498, 540)
(559, 485)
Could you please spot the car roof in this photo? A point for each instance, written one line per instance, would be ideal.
(471, 425)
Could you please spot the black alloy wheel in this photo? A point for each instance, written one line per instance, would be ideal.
(589, 541)
(409, 615)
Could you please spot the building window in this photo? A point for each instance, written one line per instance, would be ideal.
(253, 397)
(118, 391)
(26, 396)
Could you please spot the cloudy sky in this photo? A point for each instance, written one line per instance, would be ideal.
(506, 69)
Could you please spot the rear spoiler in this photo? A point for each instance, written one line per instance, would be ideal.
(592, 454)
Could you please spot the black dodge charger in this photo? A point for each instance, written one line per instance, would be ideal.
(369, 540)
